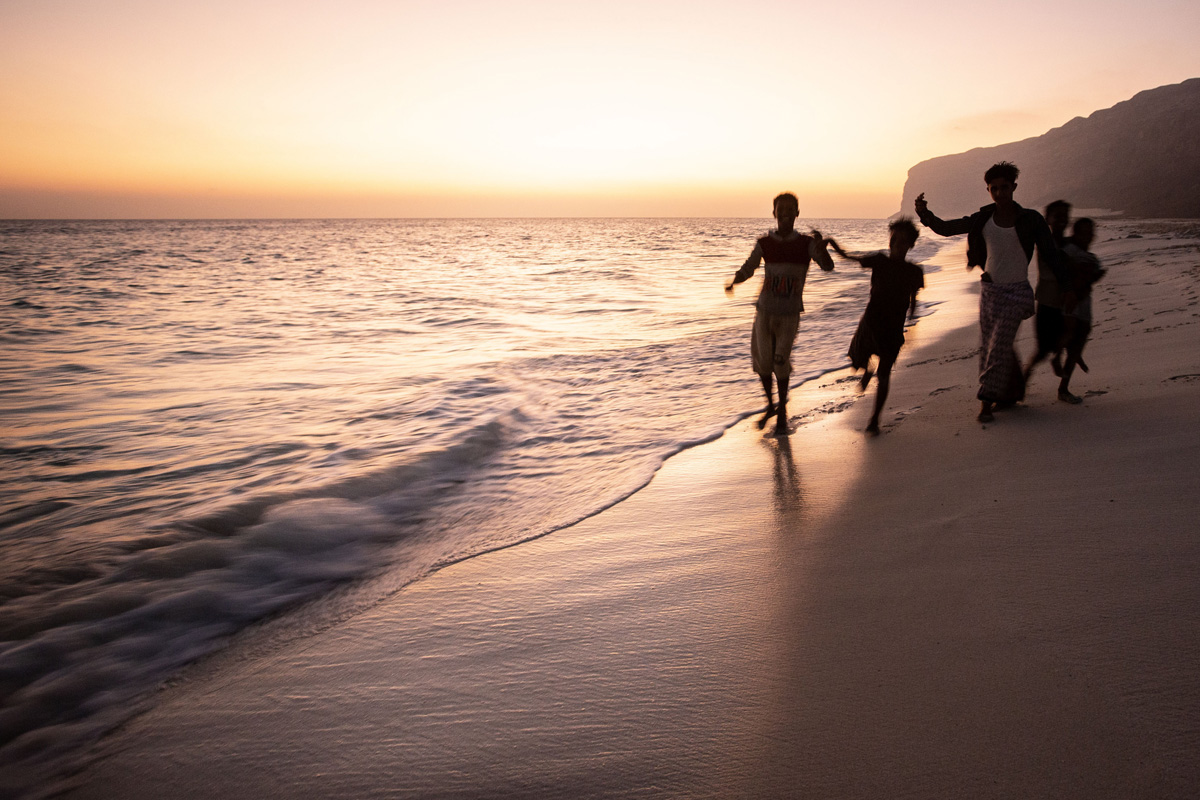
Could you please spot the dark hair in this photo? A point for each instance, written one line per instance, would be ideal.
(1058, 205)
(904, 225)
(788, 196)
(1084, 222)
(1005, 169)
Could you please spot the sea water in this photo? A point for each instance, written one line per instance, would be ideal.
(206, 423)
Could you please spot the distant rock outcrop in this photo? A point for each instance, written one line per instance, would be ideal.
(1140, 158)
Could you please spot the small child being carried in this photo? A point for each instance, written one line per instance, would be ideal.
(1084, 270)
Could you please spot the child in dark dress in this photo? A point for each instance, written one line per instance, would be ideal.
(894, 286)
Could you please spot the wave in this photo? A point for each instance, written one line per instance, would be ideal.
(75, 659)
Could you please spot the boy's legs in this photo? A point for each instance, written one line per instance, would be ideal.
(762, 356)
(883, 380)
(868, 373)
(785, 328)
(1077, 336)
(1048, 326)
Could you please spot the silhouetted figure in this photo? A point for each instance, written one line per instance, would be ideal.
(1001, 238)
(1085, 270)
(1049, 294)
(894, 286)
(787, 254)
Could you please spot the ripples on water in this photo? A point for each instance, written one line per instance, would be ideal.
(207, 422)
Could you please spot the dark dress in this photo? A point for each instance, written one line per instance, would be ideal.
(881, 330)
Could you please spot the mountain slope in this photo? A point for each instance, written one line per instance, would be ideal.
(1141, 158)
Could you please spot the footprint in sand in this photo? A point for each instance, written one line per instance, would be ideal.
(943, 389)
(961, 357)
(835, 407)
(895, 421)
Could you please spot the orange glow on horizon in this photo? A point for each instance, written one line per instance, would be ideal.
(657, 107)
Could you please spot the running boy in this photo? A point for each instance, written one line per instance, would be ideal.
(787, 254)
(894, 286)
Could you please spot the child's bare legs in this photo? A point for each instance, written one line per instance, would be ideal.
(883, 380)
(771, 409)
(1074, 351)
(781, 423)
(1064, 391)
(1077, 333)
(783, 376)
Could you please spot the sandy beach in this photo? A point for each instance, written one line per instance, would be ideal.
(947, 610)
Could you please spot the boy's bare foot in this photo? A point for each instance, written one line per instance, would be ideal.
(770, 412)
(781, 426)
(1067, 397)
(985, 413)
(872, 428)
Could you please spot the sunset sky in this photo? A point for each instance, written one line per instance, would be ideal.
(307, 108)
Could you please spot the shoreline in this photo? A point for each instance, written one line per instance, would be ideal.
(946, 610)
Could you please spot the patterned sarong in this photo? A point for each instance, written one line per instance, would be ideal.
(1002, 307)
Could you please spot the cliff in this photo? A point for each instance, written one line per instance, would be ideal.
(1140, 158)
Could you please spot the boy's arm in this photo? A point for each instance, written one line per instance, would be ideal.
(942, 227)
(918, 285)
(747, 269)
(837, 248)
(818, 253)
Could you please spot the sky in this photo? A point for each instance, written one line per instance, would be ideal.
(513, 108)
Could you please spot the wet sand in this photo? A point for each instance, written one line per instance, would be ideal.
(947, 610)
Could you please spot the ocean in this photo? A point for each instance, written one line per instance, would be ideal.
(207, 424)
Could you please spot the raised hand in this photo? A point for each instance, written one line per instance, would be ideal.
(920, 204)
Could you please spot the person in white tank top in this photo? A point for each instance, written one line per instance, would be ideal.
(1006, 259)
(1001, 238)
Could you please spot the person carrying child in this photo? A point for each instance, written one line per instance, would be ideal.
(894, 286)
(1050, 295)
(787, 254)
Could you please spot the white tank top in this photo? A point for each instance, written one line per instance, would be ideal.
(1006, 259)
